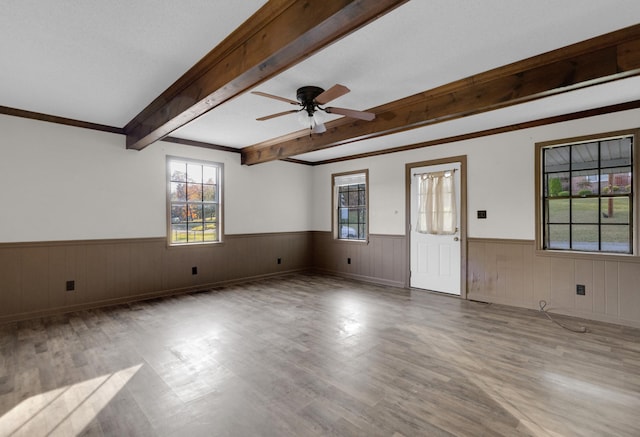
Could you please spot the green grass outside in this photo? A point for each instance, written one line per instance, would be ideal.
(585, 215)
(203, 233)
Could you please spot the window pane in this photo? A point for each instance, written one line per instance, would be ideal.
(584, 237)
(343, 215)
(582, 182)
(178, 233)
(556, 159)
(178, 213)
(362, 231)
(616, 239)
(195, 232)
(209, 175)
(210, 232)
(558, 184)
(558, 211)
(615, 152)
(194, 192)
(209, 193)
(584, 156)
(194, 173)
(347, 231)
(362, 198)
(353, 198)
(342, 197)
(585, 210)
(195, 212)
(210, 212)
(615, 210)
(178, 171)
(558, 237)
(178, 191)
(618, 180)
(350, 217)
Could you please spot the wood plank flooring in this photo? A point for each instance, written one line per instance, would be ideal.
(307, 355)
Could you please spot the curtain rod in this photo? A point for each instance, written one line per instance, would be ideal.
(433, 172)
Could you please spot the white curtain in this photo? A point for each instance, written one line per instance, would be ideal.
(437, 204)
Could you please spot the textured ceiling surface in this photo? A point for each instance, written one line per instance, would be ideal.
(103, 62)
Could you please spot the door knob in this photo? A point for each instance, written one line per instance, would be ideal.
(455, 238)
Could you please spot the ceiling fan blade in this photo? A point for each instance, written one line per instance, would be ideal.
(360, 115)
(271, 96)
(269, 117)
(332, 93)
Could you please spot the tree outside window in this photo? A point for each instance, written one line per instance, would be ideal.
(194, 201)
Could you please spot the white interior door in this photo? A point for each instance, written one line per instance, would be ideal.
(435, 259)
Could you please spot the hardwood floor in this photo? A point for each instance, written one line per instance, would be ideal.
(307, 355)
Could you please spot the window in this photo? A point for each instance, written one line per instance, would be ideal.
(350, 205)
(194, 207)
(587, 195)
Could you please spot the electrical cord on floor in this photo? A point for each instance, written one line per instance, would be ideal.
(580, 330)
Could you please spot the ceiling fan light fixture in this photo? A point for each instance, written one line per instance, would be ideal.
(304, 119)
(319, 128)
(311, 114)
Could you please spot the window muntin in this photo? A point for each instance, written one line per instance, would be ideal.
(587, 199)
(193, 201)
(350, 209)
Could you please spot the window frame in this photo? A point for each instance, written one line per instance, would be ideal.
(334, 207)
(541, 221)
(220, 206)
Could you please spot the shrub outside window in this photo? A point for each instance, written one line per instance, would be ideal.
(587, 201)
(194, 208)
(350, 206)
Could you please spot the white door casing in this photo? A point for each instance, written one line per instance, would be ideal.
(435, 259)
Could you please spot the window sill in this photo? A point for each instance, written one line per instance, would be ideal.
(203, 244)
(352, 241)
(588, 255)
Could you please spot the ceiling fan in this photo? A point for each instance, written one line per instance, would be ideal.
(311, 99)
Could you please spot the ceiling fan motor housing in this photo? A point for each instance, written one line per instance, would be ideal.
(307, 95)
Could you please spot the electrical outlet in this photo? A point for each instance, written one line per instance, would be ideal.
(279, 260)
(581, 289)
(194, 270)
(71, 285)
(348, 260)
(482, 214)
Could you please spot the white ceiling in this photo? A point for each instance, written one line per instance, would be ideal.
(103, 62)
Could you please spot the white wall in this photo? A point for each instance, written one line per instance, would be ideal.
(63, 183)
(500, 178)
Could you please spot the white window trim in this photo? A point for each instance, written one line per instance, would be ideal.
(220, 212)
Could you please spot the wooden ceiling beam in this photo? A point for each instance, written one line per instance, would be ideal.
(279, 35)
(602, 59)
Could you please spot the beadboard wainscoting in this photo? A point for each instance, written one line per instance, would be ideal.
(33, 276)
(381, 260)
(512, 272)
